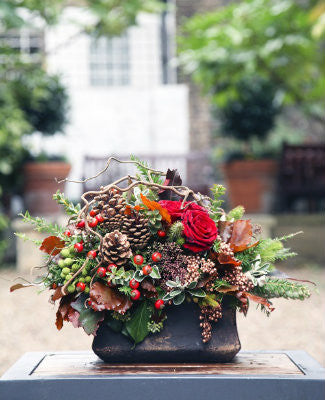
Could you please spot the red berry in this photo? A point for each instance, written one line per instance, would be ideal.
(135, 294)
(101, 271)
(93, 222)
(138, 259)
(110, 266)
(81, 286)
(161, 234)
(159, 304)
(93, 254)
(156, 257)
(81, 241)
(99, 218)
(79, 247)
(93, 213)
(89, 303)
(67, 233)
(110, 284)
(146, 270)
(134, 284)
(81, 224)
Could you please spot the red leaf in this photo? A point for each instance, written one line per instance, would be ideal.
(153, 205)
(105, 298)
(227, 289)
(260, 300)
(241, 235)
(57, 294)
(63, 311)
(52, 245)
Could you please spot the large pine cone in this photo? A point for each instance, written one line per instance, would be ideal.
(136, 227)
(111, 206)
(116, 248)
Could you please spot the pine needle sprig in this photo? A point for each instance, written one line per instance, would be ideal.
(41, 225)
(142, 167)
(69, 207)
(277, 287)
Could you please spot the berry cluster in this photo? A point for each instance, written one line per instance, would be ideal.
(209, 314)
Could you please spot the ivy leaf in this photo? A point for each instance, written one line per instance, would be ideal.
(155, 274)
(179, 299)
(137, 326)
(105, 298)
(52, 245)
(197, 292)
(90, 320)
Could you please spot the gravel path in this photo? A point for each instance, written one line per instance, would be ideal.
(27, 323)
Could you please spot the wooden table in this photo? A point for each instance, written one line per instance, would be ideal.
(287, 375)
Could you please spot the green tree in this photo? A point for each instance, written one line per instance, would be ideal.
(269, 39)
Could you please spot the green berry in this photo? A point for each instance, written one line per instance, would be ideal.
(65, 253)
(61, 263)
(88, 279)
(65, 270)
(71, 288)
(86, 290)
(81, 279)
(72, 251)
(68, 277)
(84, 272)
(75, 267)
(68, 261)
(62, 275)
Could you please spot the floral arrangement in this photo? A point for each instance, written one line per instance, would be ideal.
(145, 243)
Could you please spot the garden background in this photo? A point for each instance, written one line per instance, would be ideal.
(227, 92)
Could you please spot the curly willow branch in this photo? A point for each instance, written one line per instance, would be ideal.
(182, 191)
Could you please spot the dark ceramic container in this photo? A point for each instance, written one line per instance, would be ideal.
(178, 342)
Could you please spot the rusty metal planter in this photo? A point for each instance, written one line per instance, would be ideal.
(179, 341)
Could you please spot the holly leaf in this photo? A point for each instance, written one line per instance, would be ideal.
(137, 326)
(153, 205)
(172, 179)
(52, 245)
(90, 320)
(106, 298)
(149, 289)
(241, 235)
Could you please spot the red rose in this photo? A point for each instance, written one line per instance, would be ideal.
(200, 230)
(174, 208)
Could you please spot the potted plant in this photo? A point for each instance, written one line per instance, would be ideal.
(250, 171)
(156, 271)
(43, 100)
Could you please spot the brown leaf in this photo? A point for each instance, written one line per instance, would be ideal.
(57, 294)
(225, 230)
(172, 179)
(224, 258)
(63, 310)
(52, 245)
(227, 289)
(260, 300)
(149, 289)
(19, 286)
(105, 298)
(241, 235)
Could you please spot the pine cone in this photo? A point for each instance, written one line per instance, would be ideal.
(111, 206)
(116, 248)
(136, 227)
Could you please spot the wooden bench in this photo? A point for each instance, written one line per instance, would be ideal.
(260, 375)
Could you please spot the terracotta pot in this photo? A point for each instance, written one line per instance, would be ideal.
(40, 184)
(251, 183)
(179, 341)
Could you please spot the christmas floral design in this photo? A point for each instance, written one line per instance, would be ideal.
(150, 244)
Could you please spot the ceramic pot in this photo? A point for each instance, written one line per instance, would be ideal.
(178, 342)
